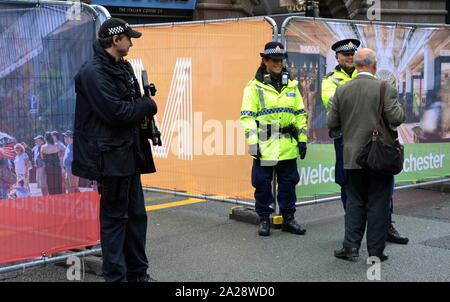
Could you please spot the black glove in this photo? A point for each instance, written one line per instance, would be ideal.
(254, 150)
(302, 149)
(153, 106)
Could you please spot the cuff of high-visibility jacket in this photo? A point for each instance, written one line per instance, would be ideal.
(253, 139)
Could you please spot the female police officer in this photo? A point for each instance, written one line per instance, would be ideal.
(274, 122)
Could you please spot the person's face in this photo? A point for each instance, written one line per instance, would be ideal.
(67, 140)
(273, 66)
(38, 142)
(345, 60)
(18, 150)
(122, 44)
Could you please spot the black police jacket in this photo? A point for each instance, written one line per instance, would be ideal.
(108, 112)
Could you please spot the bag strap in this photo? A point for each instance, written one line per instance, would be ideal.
(381, 120)
(376, 128)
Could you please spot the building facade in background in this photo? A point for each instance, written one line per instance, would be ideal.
(161, 11)
(410, 11)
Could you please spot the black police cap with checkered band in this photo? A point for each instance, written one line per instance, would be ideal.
(274, 50)
(346, 46)
(116, 26)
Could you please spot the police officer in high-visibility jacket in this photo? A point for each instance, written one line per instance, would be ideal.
(341, 74)
(275, 123)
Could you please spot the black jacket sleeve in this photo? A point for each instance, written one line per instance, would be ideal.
(109, 105)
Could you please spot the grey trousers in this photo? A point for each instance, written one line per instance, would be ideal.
(368, 201)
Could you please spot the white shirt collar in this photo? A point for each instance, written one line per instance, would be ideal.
(366, 73)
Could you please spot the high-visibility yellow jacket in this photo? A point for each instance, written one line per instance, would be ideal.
(332, 81)
(263, 107)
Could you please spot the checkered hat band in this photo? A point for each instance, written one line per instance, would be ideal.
(271, 51)
(346, 48)
(115, 30)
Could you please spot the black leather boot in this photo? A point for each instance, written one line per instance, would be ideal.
(382, 257)
(264, 226)
(347, 253)
(290, 225)
(394, 236)
(144, 278)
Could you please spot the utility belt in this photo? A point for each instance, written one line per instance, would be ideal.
(269, 130)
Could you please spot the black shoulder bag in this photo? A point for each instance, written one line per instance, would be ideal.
(378, 157)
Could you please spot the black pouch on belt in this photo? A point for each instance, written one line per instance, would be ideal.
(114, 188)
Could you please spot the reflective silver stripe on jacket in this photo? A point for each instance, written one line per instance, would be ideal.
(277, 135)
(336, 81)
(261, 98)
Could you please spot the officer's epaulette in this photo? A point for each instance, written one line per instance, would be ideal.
(329, 74)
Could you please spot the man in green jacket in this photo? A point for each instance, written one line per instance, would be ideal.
(341, 74)
(353, 110)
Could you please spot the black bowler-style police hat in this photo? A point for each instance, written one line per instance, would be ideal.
(274, 50)
(346, 46)
(116, 26)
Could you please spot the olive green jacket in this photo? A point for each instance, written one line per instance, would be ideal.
(354, 110)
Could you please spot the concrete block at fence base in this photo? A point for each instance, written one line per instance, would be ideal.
(245, 214)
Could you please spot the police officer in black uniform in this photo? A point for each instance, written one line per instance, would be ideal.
(111, 148)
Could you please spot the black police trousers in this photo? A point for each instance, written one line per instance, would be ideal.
(340, 175)
(123, 228)
(287, 179)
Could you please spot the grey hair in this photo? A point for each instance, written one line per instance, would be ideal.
(368, 60)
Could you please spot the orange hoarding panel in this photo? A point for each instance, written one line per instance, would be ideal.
(200, 71)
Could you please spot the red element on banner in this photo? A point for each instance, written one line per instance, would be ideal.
(7, 151)
(33, 226)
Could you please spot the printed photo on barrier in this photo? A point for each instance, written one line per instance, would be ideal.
(415, 60)
(38, 98)
(44, 208)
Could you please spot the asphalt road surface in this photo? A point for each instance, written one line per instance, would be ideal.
(191, 240)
